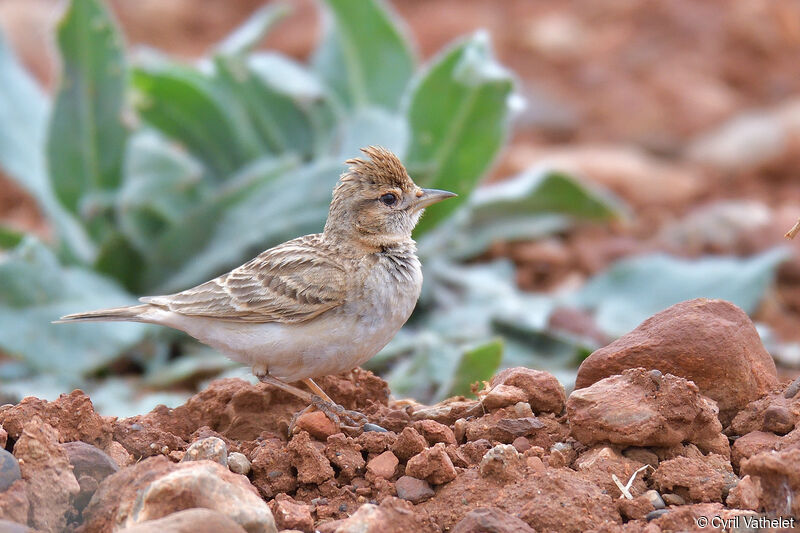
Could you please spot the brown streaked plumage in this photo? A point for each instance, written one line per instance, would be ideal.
(315, 305)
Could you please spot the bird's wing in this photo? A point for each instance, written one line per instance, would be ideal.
(291, 283)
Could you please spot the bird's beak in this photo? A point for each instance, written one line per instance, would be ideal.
(426, 197)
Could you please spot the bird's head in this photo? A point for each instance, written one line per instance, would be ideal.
(376, 203)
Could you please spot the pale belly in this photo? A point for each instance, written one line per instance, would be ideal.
(333, 342)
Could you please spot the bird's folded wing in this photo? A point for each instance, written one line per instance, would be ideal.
(290, 283)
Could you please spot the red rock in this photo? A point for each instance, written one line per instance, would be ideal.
(413, 489)
(504, 425)
(205, 484)
(599, 463)
(544, 392)
(433, 465)
(503, 462)
(635, 509)
(710, 342)
(435, 432)
(752, 444)
(188, 521)
(71, 415)
(448, 411)
(778, 476)
(272, 469)
(684, 518)
(88, 463)
(778, 419)
(317, 424)
(474, 451)
(50, 483)
(491, 520)
(772, 413)
(393, 514)
(706, 479)
(290, 514)
(639, 408)
(312, 466)
(744, 495)
(502, 396)
(376, 441)
(521, 444)
(356, 389)
(408, 444)
(383, 465)
(117, 494)
(344, 453)
(3, 437)
(14, 505)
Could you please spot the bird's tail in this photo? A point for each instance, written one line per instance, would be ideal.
(132, 313)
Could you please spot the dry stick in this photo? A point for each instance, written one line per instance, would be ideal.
(626, 489)
(794, 231)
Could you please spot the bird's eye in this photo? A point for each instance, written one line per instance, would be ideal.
(388, 199)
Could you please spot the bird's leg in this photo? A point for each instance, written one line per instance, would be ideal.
(351, 420)
(300, 393)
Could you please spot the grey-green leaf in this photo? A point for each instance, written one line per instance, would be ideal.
(634, 289)
(87, 136)
(364, 56)
(253, 30)
(459, 115)
(37, 290)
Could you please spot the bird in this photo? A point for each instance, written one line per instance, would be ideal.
(315, 305)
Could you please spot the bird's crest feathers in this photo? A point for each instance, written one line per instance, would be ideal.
(382, 168)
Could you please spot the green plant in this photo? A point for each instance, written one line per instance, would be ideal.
(157, 175)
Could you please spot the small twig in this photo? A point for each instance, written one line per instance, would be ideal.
(794, 231)
(626, 489)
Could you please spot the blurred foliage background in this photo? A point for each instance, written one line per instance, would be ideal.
(152, 173)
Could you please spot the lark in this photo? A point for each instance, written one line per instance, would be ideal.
(318, 304)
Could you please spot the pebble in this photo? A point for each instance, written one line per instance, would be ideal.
(672, 499)
(652, 515)
(209, 448)
(655, 499)
(374, 427)
(238, 463)
(9, 470)
(413, 489)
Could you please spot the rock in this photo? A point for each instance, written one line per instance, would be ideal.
(503, 462)
(503, 396)
(752, 444)
(435, 432)
(673, 499)
(272, 468)
(290, 514)
(208, 449)
(238, 463)
(208, 485)
(635, 509)
(633, 409)
(312, 466)
(71, 415)
(317, 424)
(448, 411)
(777, 474)
(433, 465)
(521, 444)
(9, 470)
(778, 419)
(641, 455)
(119, 454)
(744, 495)
(474, 451)
(413, 489)
(50, 483)
(376, 442)
(345, 453)
(114, 498)
(552, 500)
(383, 465)
(544, 392)
(599, 463)
(393, 514)
(3, 437)
(14, 505)
(408, 444)
(710, 342)
(505, 425)
(356, 389)
(706, 479)
(90, 466)
(655, 499)
(188, 521)
(685, 518)
(491, 520)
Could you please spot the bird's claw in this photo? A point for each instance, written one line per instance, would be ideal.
(350, 422)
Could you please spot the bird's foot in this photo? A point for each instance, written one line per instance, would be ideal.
(348, 421)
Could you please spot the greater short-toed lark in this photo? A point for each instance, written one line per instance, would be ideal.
(319, 304)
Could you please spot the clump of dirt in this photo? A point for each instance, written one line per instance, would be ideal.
(637, 449)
